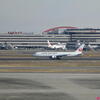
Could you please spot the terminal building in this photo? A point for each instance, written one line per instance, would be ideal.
(63, 34)
(82, 34)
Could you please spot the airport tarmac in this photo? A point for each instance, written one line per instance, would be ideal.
(52, 69)
(49, 86)
(47, 58)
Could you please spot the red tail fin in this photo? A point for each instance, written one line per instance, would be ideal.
(80, 49)
(49, 44)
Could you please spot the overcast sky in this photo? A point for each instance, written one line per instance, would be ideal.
(38, 15)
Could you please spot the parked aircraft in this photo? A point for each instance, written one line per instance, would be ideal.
(6, 46)
(93, 46)
(88, 46)
(56, 46)
(58, 55)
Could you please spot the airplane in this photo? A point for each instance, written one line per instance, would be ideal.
(93, 46)
(88, 46)
(56, 46)
(6, 46)
(58, 55)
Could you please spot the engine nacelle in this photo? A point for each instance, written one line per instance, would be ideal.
(53, 57)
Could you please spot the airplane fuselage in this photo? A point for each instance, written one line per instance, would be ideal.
(57, 46)
(57, 53)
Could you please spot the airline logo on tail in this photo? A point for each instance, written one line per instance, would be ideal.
(80, 49)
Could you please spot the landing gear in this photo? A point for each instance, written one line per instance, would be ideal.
(58, 58)
(54, 58)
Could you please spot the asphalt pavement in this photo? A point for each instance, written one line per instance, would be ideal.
(49, 86)
(47, 58)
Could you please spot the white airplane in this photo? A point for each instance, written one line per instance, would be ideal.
(56, 46)
(58, 55)
(78, 43)
(93, 46)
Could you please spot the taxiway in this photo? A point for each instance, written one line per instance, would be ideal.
(49, 86)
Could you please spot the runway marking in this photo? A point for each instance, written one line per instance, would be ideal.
(50, 70)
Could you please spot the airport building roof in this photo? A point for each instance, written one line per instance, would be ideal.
(70, 30)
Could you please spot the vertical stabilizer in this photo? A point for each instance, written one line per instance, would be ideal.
(80, 49)
(49, 44)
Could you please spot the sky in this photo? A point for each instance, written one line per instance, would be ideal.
(39, 15)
